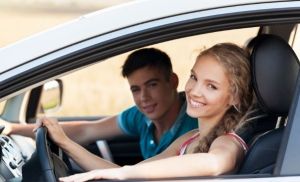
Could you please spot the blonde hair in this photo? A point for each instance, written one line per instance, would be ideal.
(235, 61)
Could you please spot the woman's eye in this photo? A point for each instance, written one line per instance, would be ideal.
(210, 86)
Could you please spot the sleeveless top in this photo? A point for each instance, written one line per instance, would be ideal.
(185, 144)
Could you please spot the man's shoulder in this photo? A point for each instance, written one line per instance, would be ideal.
(132, 110)
(131, 121)
(132, 114)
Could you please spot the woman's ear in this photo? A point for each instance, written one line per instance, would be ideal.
(174, 80)
(234, 101)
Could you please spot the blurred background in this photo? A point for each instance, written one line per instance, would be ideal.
(99, 89)
(23, 18)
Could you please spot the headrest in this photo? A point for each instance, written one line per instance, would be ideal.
(275, 68)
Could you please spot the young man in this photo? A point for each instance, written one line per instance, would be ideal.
(158, 117)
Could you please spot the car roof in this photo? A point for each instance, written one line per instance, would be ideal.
(101, 22)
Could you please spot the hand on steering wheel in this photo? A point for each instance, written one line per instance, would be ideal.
(46, 163)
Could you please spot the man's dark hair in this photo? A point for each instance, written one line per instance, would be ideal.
(147, 57)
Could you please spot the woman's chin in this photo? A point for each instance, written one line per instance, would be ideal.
(193, 113)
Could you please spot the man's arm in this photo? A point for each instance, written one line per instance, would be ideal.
(85, 132)
(82, 132)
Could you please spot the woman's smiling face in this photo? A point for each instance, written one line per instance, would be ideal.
(208, 90)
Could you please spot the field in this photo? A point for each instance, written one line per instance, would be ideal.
(100, 89)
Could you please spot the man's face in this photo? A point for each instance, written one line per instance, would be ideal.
(152, 92)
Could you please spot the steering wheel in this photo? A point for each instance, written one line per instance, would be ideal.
(46, 163)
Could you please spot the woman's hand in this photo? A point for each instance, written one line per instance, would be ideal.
(55, 131)
(113, 173)
(94, 174)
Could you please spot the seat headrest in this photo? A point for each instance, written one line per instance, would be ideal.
(275, 68)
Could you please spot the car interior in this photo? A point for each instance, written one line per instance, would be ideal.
(263, 134)
(278, 83)
(265, 138)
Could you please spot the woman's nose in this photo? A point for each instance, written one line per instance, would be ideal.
(196, 90)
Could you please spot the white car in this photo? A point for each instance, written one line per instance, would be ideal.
(34, 67)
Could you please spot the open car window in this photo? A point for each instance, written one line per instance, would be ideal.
(103, 91)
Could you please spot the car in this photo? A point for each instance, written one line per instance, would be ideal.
(34, 75)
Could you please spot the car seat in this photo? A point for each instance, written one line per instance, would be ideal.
(274, 69)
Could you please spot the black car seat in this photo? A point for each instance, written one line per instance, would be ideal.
(258, 122)
(274, 67)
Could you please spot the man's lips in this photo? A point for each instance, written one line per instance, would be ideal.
(149, 108)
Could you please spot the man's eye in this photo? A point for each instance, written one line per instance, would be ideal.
(193, 77)
(134, 90)
(152, 84)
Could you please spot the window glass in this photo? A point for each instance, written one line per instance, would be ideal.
(101, 90)
(2, 105)
(295, 40)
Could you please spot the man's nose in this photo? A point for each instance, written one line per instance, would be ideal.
(144, 94)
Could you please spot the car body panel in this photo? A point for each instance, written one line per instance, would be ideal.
(95, 24)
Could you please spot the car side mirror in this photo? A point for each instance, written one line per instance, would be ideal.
(51, 98)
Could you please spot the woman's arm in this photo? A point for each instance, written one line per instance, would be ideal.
(223, 157)
(172, 149)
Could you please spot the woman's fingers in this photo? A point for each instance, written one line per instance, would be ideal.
(79, 177)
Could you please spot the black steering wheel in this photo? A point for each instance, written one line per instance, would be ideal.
(46, 163)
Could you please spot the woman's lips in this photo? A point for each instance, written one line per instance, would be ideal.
(196, 104)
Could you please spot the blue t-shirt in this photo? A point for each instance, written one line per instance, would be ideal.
(135, 123)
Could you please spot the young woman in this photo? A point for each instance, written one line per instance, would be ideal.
(219, 94)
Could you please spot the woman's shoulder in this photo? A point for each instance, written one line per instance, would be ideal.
(187, 136)
(174, 148)
(230, 139)
(191, 133)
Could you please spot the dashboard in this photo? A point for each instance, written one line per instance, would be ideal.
(11, 159)
(15, 151)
